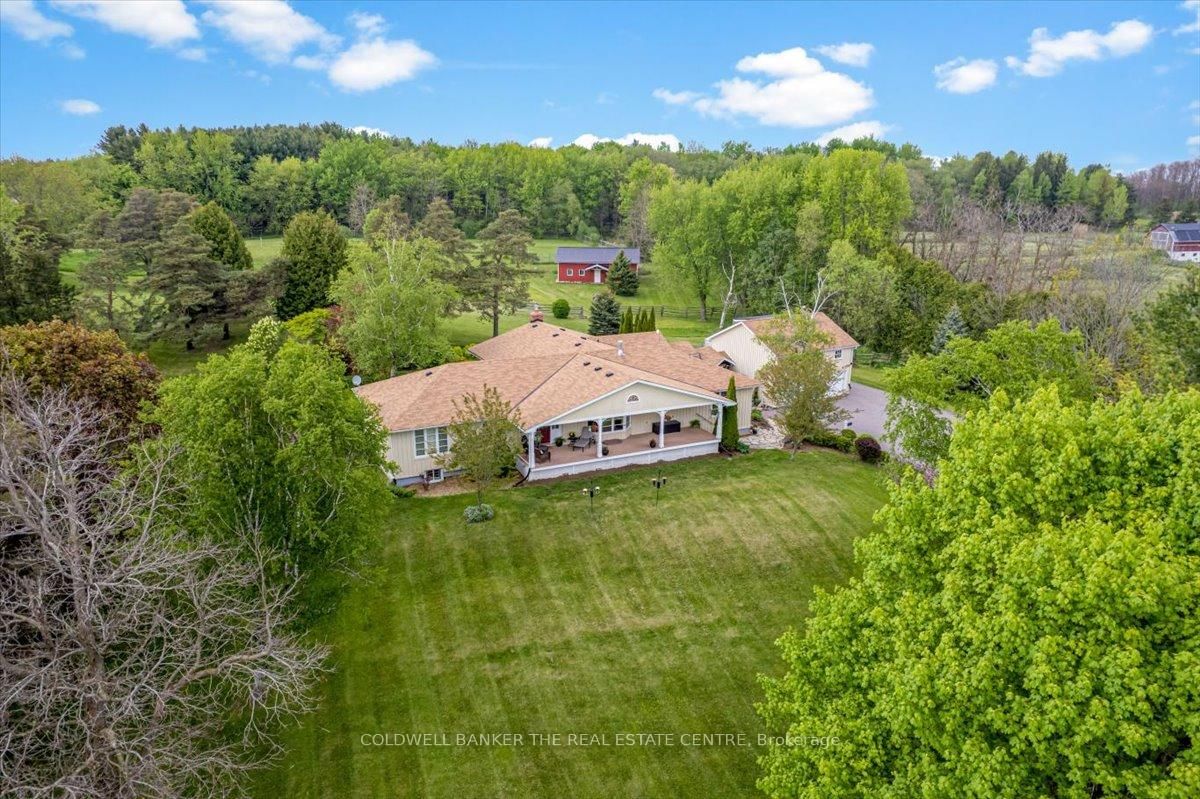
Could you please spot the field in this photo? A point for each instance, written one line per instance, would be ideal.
(634, 618)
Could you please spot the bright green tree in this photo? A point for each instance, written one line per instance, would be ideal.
(227, 245)
(729, 418)
(1025, 626)
(621, 277)
(393, 307)
(282, 440)
(797, 378)
(604, 315)
(485, 436)
(1173, 320)
(314, 251)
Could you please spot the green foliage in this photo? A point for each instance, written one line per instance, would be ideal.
(314, 251)
(280, 441)
(86, 364)
(729, 418)
(485, 438)
(952, 326)
(438, 224)
(1173, 325)
(311, 327)
(31, 289)
(475, 514)
(375, 293)
(227, 245)
(499, 284)
(1016, 356)
(621, 278)
(561, 309)
(863, 291)
(797, 378)
(1026, 621)
(604, 315)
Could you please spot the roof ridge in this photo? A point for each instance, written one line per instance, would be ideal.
(561, 366)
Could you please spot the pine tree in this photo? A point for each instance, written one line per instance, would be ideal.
(627, 321)
(652, 325)
(226, 243)
(604, 317)
(952, 326)
(729, 419)
(187, 286)
(499, 284)
(438, 224)
(315, 251)
(621, 277)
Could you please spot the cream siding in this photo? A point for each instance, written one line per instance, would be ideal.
(749, 355)
(648, 398)
(402, 452)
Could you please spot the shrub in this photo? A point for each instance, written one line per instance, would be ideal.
(868, 449)
(694, 423)
(483, 512)
(846, 439)
(402, 492)
(604, 450)
(561, 309)
(756, 415)
(743, 447)
(827, 438)
(558, 441)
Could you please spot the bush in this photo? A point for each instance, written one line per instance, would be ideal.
(558, 441)
(828, 438)
(694, 423)
(756, 415)
(561, 309)
(401, 492)
(868, 449)
(846, 439)
(483, 512)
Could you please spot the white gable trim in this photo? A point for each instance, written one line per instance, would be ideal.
(594, 266)
(711, 399)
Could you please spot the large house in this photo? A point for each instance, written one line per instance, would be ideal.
(1181, 242)
(585, 402)
(747, 354)
(591, 264)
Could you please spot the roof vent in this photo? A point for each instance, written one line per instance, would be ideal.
(587, 363)
(577, 343)
(553, 335)
(536, 314)
(608, 374)
(597, 369)
(620, 348)
(427, 374)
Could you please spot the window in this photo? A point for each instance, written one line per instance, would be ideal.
(837, 355)
(431, 441)
(434, 476)
(614, 424)
(570, 272)
(633, 398)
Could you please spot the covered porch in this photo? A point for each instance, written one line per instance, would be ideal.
(574, 446)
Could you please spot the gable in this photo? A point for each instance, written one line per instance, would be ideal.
(640, 396)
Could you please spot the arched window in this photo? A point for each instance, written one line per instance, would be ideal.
(633, 398)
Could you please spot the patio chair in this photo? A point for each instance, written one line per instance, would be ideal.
(585, 440)
(541, 452)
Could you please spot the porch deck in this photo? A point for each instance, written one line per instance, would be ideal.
(639, 442)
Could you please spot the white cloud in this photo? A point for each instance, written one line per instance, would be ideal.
(803, 93)
(163, 23)
(79, 107)
(193, 54)
(378, 63)
(72, 51)
(371, 131)
(856, 54)
(961, 76)
(1048, 55)
(1192, 7)
(271, 29)
(1193, 141)
(31, 24)
(590, 140)
(674, 98)
(368, 24)
(855, 130)
(541, 141)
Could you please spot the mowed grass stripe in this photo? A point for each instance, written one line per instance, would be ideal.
(552, 619)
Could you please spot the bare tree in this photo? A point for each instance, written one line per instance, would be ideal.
(362, 200)
(129, 650)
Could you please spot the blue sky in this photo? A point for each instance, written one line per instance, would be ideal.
(1108, 82)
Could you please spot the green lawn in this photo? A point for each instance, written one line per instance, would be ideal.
(873, 376)
(550, 619)
(264, 248)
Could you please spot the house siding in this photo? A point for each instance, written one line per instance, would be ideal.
(579, 276)
(749, 355)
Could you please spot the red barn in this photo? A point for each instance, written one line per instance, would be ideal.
(591, 264)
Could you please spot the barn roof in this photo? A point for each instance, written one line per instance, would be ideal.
(595, 255)
(1184, 231)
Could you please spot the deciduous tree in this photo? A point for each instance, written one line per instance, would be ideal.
(485, 438)
(797, 378)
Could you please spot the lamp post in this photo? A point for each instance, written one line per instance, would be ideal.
(591, 492)
(658, 483)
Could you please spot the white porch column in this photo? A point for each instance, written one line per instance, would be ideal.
(532, 457)
(600, 438)
(720, 420)
(662, 424)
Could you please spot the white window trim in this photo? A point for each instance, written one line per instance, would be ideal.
(632, 398)
(570, 272)
(435, 475)
(439, 434)
(837, 354)
(624, 420)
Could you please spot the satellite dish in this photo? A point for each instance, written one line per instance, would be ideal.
(356, 380)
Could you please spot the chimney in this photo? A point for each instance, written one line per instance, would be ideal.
(536, 314)
(620, 348)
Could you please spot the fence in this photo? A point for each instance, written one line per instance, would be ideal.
(660, 311)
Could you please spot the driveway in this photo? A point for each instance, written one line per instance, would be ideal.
(868, 409)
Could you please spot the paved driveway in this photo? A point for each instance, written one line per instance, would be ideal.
(868, 409)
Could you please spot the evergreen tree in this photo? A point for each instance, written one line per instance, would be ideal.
(226, 243)
(438, 224)
(31, 289)
(604, 317)
(729, 419)
(952, 326)
(621, 277)
(186, 284)
(652, 325)
(314, 251)
(627, 321)
(499, 284)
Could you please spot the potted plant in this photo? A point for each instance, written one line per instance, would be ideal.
(694, 423)
(558, 441)
(604, 450)
(572, 435)
(653, 443)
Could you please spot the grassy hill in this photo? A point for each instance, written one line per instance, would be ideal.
(635, 618)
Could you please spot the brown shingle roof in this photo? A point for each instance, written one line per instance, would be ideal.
(536, 339)
(841, 340)
(653, 353)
